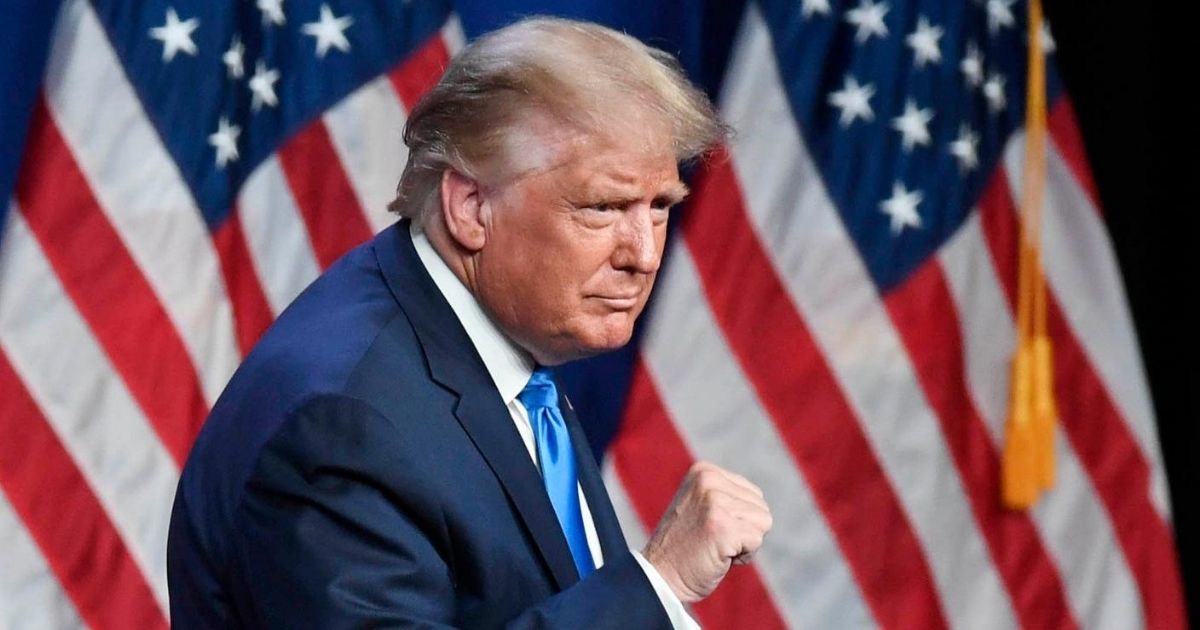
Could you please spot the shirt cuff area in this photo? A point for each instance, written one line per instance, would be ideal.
(676, 612)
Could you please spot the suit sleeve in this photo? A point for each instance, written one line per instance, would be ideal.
(323, 539)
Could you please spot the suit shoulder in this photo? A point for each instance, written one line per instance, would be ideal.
(330, 333)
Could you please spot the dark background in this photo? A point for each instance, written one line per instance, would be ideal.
(1127, 67)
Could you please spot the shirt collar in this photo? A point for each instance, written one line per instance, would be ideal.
(509, 366)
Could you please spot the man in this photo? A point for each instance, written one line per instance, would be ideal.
(394, 451)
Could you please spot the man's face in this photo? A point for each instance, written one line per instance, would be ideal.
(573, 248)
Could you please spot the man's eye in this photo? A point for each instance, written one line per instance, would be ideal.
(663, 203)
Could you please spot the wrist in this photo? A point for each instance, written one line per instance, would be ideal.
(667, 571)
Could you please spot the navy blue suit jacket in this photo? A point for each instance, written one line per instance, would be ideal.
(360, 469)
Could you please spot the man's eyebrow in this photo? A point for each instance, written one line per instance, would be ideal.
(669, 196)
(677, 193)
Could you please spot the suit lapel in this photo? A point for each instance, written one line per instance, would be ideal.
(608, 528)
(455, 364)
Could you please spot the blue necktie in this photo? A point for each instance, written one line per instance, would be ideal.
(557, 461)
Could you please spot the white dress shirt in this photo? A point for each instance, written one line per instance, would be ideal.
(510, 368)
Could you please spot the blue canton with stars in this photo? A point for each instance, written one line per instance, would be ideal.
(908, 115)
(226, 83)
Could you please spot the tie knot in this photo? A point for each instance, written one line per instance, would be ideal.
(540, 391)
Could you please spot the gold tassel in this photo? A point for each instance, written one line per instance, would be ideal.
(1027, 466)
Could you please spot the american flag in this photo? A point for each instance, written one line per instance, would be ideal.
(834, 319)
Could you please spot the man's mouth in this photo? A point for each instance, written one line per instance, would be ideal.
(618, 302)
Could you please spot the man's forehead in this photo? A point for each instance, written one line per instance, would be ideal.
(604, 165)
(658, 177)
(544, 146)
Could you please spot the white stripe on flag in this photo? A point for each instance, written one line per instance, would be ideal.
(1081, 269)
(818, 262)
(85, 402)
(636, 532)
(30, 595)
(452, 35)
(721, 420)
(1073, 525)
(367, 130)
(276, 235)
(140, 190)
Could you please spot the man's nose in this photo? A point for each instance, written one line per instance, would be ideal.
(637, 248)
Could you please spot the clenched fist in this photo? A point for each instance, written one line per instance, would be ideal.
(716, 519)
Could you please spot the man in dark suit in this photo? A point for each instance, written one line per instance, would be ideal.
(394, 451)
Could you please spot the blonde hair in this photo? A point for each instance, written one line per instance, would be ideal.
(583, 75)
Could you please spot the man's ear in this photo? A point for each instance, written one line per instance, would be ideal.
(462, 209)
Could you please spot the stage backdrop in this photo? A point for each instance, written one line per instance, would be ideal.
(834, 320)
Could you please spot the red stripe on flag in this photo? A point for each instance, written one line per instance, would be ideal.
(818, 425)
(1098, 434)
(70, 527)
(331, 212)
(420, 71)
(923, 312)
(251, 312)
(650, 455)
(1064, 130)
(105, 283)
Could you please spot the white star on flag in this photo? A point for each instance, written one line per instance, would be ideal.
(176, 35)
(808, 8)
(1048, 43)
(329, 30)
(868, 19)
(964, 148)
(854, 101)
(993, 90)
(902, 208)
(924, 43)
(972, 65)
(272, 11)
(999, 14)
(233, 58)
(224, 140)
(262, 84)
(913, 125)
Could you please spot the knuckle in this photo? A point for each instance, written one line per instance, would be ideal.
(710, 479)
(713, 528)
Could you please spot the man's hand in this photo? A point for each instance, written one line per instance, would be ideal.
(717, 518)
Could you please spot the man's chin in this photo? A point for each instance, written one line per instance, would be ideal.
(609, 343)
(590, 343)
(614, 332)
